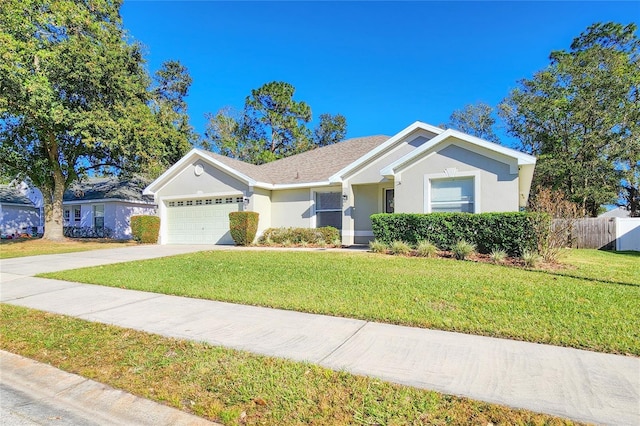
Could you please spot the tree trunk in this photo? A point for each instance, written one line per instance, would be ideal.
(53, 218)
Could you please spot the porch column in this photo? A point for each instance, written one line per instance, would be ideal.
(348, 214)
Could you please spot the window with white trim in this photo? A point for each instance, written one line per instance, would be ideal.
(452, 195)
(328, 209)
(77, 213)
(98, 215)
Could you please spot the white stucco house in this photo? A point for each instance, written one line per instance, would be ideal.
(421, 169)
(18, 213)
(95, 204)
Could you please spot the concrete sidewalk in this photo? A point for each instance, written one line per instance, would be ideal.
(581, 385)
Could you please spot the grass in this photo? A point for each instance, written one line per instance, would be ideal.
(593, 306)
(36, 247)
(236, 387)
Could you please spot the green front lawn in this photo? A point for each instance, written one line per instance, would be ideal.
(236, 387)
(593, 306)
(39, 246)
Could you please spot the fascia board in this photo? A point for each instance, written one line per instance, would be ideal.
(392, 140)
(28, 206)
(106, 200)
(396, 166)
(280, 186)
(522, 157)
(230, 170)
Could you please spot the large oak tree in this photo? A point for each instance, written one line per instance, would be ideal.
(74, 97)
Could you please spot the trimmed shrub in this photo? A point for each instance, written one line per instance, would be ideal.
(145, 229)
(296, 236)
(243, 227)
(462, 249)
(511, 232)
(426, 249)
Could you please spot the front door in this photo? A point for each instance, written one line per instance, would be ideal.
(388, 200)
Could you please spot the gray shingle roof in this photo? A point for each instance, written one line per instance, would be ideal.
(316, 165)
(9, 194)
(107, 188)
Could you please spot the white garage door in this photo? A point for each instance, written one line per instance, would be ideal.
(201, 221)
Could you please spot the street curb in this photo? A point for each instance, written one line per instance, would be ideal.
(101, 403)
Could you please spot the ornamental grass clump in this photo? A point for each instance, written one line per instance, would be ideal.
(462, 249)
(531, 258)
(401, 248)
(498, 256)
(378, 246)
(426, 249)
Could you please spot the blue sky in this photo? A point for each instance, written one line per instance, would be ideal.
(383, 65)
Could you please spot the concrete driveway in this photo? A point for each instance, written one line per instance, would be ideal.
(581, 385)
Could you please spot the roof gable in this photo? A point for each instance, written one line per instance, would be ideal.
(10, 195)
(382, 148)
(451, 135)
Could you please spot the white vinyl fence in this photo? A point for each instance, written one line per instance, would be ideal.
(627, 234)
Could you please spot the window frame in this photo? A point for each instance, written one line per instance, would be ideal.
(314, 201)
(452, 174)
(96, 216)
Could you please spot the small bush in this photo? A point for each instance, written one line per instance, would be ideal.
(498, 255)
(400, 247)
(555, 235)
(531, 258)
(377, 246)
(145, 229)
(426, 249)
(243, 227)
(337, 242)
(462, 249)
(295, 236)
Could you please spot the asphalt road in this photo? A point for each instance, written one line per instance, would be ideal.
(19, 408)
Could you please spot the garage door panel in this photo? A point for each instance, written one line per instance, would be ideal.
(200, 224)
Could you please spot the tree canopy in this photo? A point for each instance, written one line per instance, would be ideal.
(273, 125)
(580, 117)
(74, 98)
(331, 129)
(476, 120)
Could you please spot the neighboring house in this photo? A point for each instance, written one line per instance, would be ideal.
(616, 212)
(422, 169)
(18, 214)
(106, 203)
